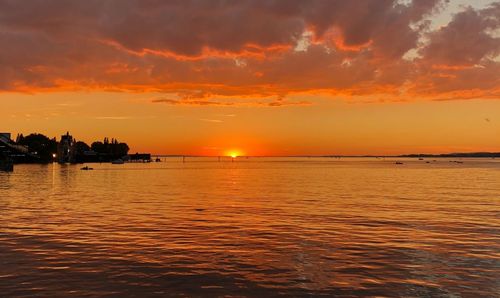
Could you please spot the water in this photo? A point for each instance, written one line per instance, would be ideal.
(255, 227)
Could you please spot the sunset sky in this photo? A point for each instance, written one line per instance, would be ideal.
(263, 77)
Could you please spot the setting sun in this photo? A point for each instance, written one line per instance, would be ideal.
(234, 153)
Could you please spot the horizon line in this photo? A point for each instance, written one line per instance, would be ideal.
(333, 155)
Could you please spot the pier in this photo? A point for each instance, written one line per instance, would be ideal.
(139, 157)
(6, 162)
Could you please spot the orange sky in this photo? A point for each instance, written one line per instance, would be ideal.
(328, 126)
(264, 78)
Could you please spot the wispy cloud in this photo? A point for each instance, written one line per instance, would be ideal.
(174, 102)
(69, 104)
(266, 102)
(112, 117)
(212, 120)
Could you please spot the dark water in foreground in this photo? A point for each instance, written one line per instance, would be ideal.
(257, 227)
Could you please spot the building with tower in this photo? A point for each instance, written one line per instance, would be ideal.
(65, 149)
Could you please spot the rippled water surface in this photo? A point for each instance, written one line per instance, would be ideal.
(255, 227)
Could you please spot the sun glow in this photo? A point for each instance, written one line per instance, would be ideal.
(234, 153)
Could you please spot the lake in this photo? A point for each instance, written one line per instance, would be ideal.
(254, 227)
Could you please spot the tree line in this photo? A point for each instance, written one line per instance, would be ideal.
(45, 148)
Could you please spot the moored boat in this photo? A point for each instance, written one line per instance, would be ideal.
(118, 161)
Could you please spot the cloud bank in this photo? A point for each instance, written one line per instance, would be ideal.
(201, 50)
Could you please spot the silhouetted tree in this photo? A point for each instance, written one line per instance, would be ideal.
(121, 149)
(19, 138)
(98, 147)
(41, 145)
(81, 147)
(113, 149)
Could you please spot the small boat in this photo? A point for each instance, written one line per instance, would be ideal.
(421, 158)
(399, 163)
(118, 162)
(86, 168)
(158, 160)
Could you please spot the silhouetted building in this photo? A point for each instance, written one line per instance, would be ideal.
(65, 149)
(6, 162)
(5, 136)
(139, 157)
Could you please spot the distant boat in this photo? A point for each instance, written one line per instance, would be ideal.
(421, 158)
(86, 168)
(118, 162)
(399, 163)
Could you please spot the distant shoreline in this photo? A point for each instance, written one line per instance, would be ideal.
(420, 155)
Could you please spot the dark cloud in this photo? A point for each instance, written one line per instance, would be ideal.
(461, 59)
(466, 40)
(200, 49)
